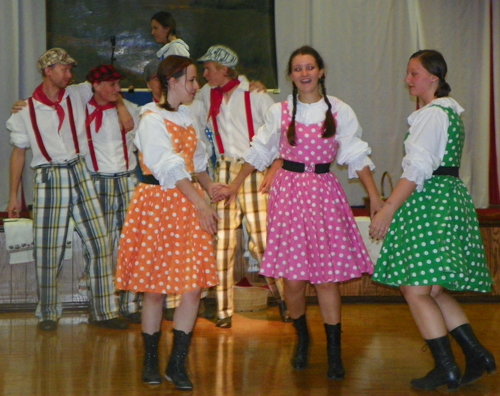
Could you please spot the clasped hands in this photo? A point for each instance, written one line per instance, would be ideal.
(221, 191)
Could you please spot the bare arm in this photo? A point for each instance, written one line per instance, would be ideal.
(376, 202)
(269, 177)
(17, 160)
(383, 218)
(207, 215)
(124, 116)
(230, 192)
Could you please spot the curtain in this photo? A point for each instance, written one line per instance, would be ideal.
(366, 46)
(22, 41)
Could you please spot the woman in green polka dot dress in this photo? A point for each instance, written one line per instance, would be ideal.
(432, 239)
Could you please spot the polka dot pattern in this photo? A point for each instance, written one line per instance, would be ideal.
(162, 247)
(312, 234)
(434, 238)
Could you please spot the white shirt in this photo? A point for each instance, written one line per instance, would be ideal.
(426, 142)
(59, 144)
(352, 150)
(108, 144)
(175, 47)
(154, 141)
(232, 119)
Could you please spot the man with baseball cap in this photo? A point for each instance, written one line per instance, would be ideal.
(112, 162)
(53, 126)
(235, 114)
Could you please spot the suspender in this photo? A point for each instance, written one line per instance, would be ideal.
(91, 144)
(251, 132)
(38, 135)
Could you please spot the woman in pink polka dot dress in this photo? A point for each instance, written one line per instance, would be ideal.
(166, 242)
(312, 234)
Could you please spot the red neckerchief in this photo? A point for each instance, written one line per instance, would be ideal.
(217, 94)
(40, 96)
(97, 113)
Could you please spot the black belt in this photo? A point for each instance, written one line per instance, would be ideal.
(446, 171)
(301, 168)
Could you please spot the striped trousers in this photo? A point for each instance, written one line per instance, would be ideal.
(62, 192)
(114, 192)
(251, 205)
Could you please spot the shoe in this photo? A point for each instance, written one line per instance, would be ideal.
(299, 361)
(134, 317)
(176, 368)
(478, 360)
(205, 310)
(224, 323)
(285, 317)
(335, 368)
(445, 371)
(115, 324)
(150, 373)
(47, 325)
(168, 314)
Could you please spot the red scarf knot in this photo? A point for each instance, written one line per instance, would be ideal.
(217, 95)
(40, 96)
(97, 113)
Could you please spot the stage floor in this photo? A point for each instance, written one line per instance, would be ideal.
(382, 352)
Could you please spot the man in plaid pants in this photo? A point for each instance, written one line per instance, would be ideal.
(112, 162)
(235, 114)
(52, 125)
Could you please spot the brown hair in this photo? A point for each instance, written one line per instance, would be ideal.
(172, 66)
(329, 127)
(433, 61)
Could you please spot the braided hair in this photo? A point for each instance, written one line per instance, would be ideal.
(433, 61)
(329, 127)
(172, 66)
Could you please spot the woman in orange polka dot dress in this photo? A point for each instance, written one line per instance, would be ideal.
(166, 242)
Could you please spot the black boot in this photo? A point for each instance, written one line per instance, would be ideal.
(445, 372)
(285, 317)
(150, 374)
(477, 359)
(335, 367)
(176, 369)
(299, 361)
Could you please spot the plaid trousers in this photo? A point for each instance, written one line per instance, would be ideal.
(114, 193)
(251, 205)
(61, 192)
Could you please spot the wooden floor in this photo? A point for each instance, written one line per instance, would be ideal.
(382, 352)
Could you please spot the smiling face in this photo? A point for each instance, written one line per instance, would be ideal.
(106, 91)
(159, 33)
(305, 74)
(184, 89)
(421, 83)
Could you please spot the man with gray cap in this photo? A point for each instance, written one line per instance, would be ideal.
(235, 114)
(53, 126)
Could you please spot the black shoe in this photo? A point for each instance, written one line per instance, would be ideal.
(134, 317)
(285, 317)
(224, 323)
(115, 324)
(205, 310)
(168, 314)
(47, 325)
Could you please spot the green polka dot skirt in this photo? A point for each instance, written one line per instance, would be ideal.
(434, 238)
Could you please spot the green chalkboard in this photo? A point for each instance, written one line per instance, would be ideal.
(85, 28)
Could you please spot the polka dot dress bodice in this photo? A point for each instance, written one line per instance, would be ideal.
(312, 234)
(434, 238)
(162, 247)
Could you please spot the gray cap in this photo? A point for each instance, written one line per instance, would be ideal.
(151, 69)
(54, 56)
(220, 54)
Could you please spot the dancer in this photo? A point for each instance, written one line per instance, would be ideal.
(312, 234)
(166, 244)
(433, 240)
